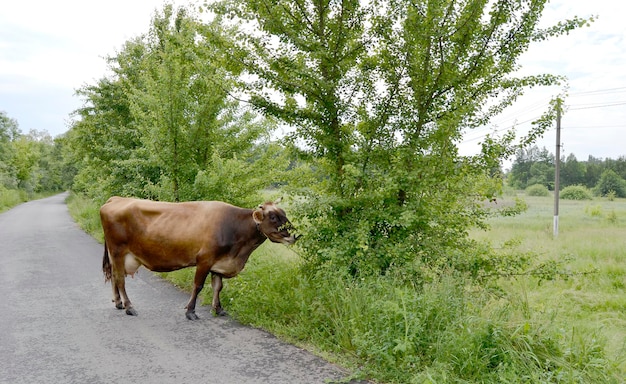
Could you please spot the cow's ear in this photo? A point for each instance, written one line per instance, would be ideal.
(277, 201)
(257, 215)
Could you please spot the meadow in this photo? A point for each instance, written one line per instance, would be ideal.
(590, 246)
(567, 328)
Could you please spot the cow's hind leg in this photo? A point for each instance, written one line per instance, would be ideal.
(198, 284)
(119, 286)
(127, 304)
(216, 284)
(107, 269)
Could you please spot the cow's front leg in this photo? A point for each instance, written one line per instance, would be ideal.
(216, 284)
(198, 284)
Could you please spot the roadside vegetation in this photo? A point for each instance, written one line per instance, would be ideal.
(415, 264)
(563, 322)
(32, 165)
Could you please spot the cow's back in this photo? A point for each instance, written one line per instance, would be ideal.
(163, 219)
(166, 236)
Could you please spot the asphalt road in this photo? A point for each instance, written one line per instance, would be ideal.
(58, 324)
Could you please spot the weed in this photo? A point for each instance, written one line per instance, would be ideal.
(594, 211)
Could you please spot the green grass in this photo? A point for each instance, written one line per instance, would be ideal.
(9, 198)
(592, 245)
(565, 330)
(87, 215)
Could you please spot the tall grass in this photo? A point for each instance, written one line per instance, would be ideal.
(592, 247)
(568, 330)
(443, 333)
(11, 197)
(87, 215)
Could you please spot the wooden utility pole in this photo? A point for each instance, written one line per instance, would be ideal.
(557, 166)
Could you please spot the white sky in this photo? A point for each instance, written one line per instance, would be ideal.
(48, 49)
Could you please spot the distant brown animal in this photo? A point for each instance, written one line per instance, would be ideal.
(215, 237)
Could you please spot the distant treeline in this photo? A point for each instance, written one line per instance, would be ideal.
(32, 162)
(536, 166)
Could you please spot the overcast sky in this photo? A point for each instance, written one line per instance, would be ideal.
(48, 49)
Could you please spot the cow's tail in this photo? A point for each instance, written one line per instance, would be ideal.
(106, 263)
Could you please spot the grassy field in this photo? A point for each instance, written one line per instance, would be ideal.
(566, 330)
(591, 243)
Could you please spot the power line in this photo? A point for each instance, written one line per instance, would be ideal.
(597, 105)
(545, 103)
(500, 130)
(600, 91)
(594, 126)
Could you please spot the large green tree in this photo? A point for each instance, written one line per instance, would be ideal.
(379, 94)
(163, 125)
(572, 171)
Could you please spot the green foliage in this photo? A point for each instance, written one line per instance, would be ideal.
(379, 95)
(445, 329)
(572, 172)
(610, 182)
(397, 333)
(594, 210)
(86, 212)
(163, 127)
(612, 217)
(10, 198)
(532, 166)
(611, 195)
(8, 133)
(535, 165)
(537, 190)
(575, 192)
(32, 163)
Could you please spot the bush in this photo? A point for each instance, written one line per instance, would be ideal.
(576, 192)
(610, 183)
(537, 190)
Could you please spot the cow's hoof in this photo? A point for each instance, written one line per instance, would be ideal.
(119, 306)
(191, 315)
(131, 311)
(220, 312)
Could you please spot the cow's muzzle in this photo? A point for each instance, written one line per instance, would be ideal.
(289, 240)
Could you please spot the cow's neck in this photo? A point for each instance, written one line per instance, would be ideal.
(256, 235)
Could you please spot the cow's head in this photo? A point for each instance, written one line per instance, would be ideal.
(273, 223)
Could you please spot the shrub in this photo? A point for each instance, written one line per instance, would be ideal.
(611, 195)
(610, 183)
(537, 190)
(576, 192)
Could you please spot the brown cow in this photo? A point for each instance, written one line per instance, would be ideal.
(215, 237)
